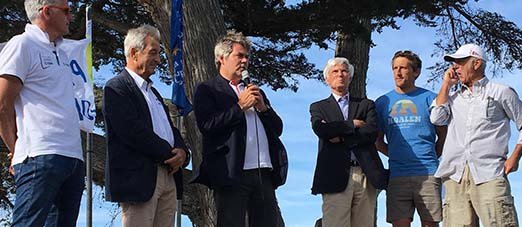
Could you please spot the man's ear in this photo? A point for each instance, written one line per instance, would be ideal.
(477, 64)
(45, 12)
(133, 53)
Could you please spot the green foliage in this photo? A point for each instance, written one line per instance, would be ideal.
(501, 39)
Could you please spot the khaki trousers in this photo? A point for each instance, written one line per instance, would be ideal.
(159, 211)
(354, 207)
(466, 202)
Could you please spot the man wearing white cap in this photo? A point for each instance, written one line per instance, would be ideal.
(474, 163)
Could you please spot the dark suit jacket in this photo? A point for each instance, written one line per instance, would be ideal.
(333, 160)
(134, 151)
(223, 126)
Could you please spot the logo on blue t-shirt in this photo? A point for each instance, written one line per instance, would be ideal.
(403, 114)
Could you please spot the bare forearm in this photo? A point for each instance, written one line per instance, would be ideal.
(8, 127)
(517, 152)
(10, 87)
(441, 138)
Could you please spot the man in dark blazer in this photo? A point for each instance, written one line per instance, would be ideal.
(144, 149)
(243, 159)
(349, 172)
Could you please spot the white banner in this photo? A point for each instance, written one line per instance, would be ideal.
(82, 82)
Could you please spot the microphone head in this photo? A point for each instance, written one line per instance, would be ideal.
(245, 76)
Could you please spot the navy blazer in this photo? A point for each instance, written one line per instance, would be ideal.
(333, 159)
(134, 151)
(223, 126)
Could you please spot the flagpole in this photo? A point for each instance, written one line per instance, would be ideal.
(179, 97)
(179, 202)
(89, 179)
(88, 28)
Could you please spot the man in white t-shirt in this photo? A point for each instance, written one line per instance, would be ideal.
(39, 119)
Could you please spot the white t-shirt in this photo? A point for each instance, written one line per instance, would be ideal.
(46, 116)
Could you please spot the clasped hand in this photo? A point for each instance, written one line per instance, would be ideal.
(176, 161)
(251, 97)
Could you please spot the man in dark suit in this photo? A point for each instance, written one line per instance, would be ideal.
(349, 171)
(144, 149)
(243, 159)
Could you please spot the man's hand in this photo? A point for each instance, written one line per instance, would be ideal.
(511, 165)
(260, 101)
(249, 97)
(335, 140)
(358, 123)
(177, 161)
(450, 77)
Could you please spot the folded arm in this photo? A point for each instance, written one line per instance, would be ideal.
(329, 130)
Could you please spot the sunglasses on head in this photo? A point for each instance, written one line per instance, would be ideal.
(65, 9)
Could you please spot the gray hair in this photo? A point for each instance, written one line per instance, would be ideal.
(135, 38)
(33, 7)
(224, 44)
(337, 61)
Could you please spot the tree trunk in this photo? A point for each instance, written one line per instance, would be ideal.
(356, 48)
(203, 23)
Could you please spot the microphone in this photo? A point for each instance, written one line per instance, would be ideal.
(245, 77)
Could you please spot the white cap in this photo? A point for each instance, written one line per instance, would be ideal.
(468, 50)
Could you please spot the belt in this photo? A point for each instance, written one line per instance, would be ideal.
(354, 163)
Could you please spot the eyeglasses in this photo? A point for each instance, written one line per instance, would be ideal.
(65, 9)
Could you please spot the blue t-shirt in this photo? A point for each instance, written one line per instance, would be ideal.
(405, 120)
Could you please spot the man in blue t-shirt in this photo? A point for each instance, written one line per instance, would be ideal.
(414, 145)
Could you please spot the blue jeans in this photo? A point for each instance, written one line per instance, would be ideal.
(49, 189)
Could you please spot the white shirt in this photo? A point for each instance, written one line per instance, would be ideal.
(478, 130)
(160, 122)
(46, 115)
(257, 153)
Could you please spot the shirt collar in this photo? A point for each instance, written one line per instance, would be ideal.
(37, 33)
(142, 83)
(338, 97)
(236, 82)
(477, 86)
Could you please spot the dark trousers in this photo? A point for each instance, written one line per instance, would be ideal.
(254, 194)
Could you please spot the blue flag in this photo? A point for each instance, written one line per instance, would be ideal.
(179, 98)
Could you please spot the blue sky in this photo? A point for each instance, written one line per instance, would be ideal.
(299, 207)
